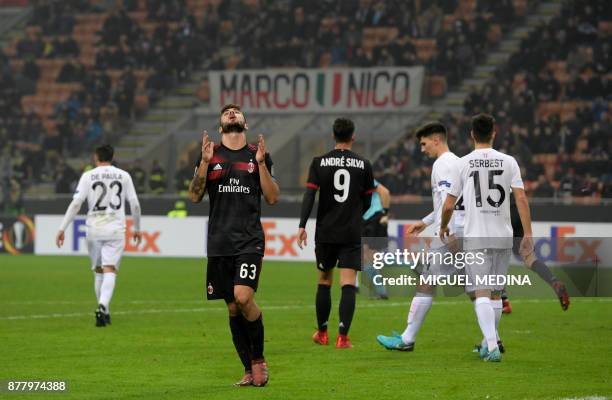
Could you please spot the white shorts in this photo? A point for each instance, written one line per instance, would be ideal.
(437, 265)
(496, 262)
(105, 252)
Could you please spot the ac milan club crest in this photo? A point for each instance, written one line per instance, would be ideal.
(210, 289)
(251, 167)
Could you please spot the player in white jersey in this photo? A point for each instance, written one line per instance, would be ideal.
(106, 188)
(484, 179)
(433, 140)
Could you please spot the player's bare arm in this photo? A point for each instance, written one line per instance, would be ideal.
(447, 213)
(307, 204)
(268, 186)
(385, 200)
(198, 183)
(522, 205)
(71, 212)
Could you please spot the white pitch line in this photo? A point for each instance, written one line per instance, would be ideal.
(381, 304)
(586, 398)
(87, 302)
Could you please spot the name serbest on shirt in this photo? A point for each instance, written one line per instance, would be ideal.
(484, 179)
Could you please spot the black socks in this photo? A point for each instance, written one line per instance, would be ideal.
(240, 337)
(256, 336)
(347, 308)
(543, 271)
(323, 306)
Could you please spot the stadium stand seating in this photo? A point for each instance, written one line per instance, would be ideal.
(81, 72)
(552, 103)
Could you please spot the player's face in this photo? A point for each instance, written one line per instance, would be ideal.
(233, 121)
(428, 146)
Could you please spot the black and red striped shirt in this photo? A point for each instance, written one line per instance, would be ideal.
(234, 190)
(345, 182)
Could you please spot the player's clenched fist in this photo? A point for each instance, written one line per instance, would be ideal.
(207, 148)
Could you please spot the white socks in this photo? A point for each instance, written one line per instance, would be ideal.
(98, 278)
(497, 308)
(106, 292)
(420, 305)
(486, 320)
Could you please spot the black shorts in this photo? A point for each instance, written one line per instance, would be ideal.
(343, 255)
(223, 273)
(517, 228)
(373, 228)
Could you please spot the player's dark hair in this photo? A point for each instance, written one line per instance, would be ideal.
(343, 130)
(431, 128)
(105, 153)
(482, 127)
(228, 106)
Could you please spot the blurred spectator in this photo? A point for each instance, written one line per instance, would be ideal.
(543, 188)
(65, 178)
(157, 178)
(72, 71)
(183, 177)
(139, 177)
(13, 205)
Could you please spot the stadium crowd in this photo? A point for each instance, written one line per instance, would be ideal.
(552, 105)
(147, 46)
(141, 48)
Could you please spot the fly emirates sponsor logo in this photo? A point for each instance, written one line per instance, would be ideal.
(234, 187)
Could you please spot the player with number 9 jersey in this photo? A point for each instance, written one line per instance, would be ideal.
(343, 178)
(345, 184)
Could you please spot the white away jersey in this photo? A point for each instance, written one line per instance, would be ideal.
(441, 177)
(106, 189)
(484, 179)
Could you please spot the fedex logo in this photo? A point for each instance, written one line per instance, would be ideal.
(148, 244)
(561, 248)
(552, 243)
(278, 244)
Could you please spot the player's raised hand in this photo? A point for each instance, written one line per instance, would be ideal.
(207, 148)
(137, 237)
(59, 239)
(416, 228)
(302, 238)
(261, 149)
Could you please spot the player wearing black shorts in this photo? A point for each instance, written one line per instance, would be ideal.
(235, 175)
(345, 182)
(534, 264)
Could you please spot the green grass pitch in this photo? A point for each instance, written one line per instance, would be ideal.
(167, 342)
